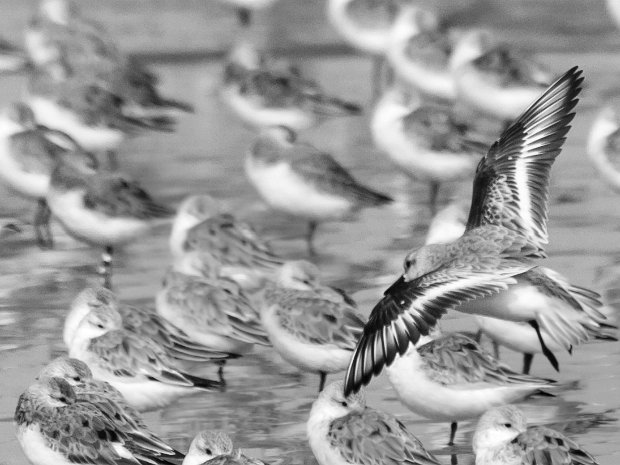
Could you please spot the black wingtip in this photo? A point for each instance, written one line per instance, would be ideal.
(205, 383)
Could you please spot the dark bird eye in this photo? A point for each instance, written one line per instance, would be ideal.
(208, 451)
(100, 326)
(344, 403)
(508, 425)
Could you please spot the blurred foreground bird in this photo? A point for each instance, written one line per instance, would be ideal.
(489, 269)
(503, 437)
(301, 180)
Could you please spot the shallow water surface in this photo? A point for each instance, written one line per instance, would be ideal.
(267, 401)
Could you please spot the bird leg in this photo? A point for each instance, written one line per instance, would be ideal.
(546, 352)
(112, 160)
(433, 194)
(527, 363)
(245, 16)
(310, 236)
(495, 349)
(42, 225)
(322, 382)
(453, 426)
(106, 267)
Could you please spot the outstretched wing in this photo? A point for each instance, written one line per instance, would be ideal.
(409, 309)
(511, 182)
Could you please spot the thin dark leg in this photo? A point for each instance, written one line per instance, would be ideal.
(245, 17)
(310, 237)
(433, 194)
(112, 160)
(378, 62)
(546, 352)
(453, 459)
(496, 349)
(220, 370)
(453, 426)
(527, 363)
(106, 267)
(41, 225)
(322, 382)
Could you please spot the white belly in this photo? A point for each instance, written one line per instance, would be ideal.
(97, 138)
(91, 226)
(310, 357)
(448, 403)
(251, 112)
(520, 337)
(33, 185)
(284, 190)
(369, 40)
(505, 103)
(36, 447)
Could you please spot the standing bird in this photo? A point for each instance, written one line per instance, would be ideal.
(495, 79)
(310, 327)
(299, 179)
(135, 365)
(82, 84)
(216, 448)
(503, 437)
(419, 53)
(54, 426)
(102, 208)
(28, 155)
(110, 402)
(423, 140)
(603, 146)
(451, 378)
(489, 270)
(262, 93)
(344, 431)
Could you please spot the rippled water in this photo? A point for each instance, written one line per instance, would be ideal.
(267, 401)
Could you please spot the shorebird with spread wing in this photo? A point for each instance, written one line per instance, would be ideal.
(489, 270)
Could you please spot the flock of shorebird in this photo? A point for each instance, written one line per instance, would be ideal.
(227, 290)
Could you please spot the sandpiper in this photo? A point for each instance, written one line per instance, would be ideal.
(137, 366)
(344, 431)
(451, 378)
(301, 180)
(55, 427)
(102, 208)
(503, 437)
(212, 311)
(111, 403)
(216, 447)
(419, 52)
(143, 322)
(489, 270)
(424, 140)
(28, 155)
(603, 146)
(310, 328)
(496, 79)
(262, 94)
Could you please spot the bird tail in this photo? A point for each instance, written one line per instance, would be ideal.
(205, 383)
